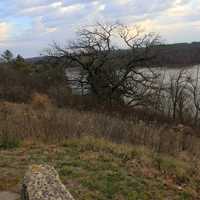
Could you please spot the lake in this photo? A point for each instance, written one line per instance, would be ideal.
(74, 73)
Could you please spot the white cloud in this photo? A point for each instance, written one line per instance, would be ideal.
(180, 8)
(4, 31)
(122, 2)
(71, 8)
(40, 28)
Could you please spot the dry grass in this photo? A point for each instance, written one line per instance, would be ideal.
(51, 124)
(40, 101)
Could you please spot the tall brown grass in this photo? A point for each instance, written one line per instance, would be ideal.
(40, 101)
(55, 125)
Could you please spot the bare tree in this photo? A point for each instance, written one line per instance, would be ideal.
(160, 94)
(113, 69)
(178, 94)
(194, 89)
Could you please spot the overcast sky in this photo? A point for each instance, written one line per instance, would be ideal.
(28, 26)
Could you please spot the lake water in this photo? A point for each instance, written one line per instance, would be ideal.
(74, 73)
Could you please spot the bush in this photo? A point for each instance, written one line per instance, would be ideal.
(40, 101)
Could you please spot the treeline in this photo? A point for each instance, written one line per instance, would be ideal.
(172, 55)
(178, 55)
(168, 55)
(19, 79)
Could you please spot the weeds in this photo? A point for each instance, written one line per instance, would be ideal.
(44, 122)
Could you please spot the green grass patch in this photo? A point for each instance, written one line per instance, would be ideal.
(98, 169)
(9, 141)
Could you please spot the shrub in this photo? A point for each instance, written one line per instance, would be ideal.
(40, 101)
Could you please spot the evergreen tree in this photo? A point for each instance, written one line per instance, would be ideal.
(7, 56)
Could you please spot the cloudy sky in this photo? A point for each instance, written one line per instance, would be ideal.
(28, 26)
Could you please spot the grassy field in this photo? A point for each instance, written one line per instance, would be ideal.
(95, 169)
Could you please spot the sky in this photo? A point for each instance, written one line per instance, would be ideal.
(28, 27)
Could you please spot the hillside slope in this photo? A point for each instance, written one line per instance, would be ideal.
(96, 169)
(172, 55)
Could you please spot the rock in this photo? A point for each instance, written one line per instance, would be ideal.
(8, 196)
(42, 182)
